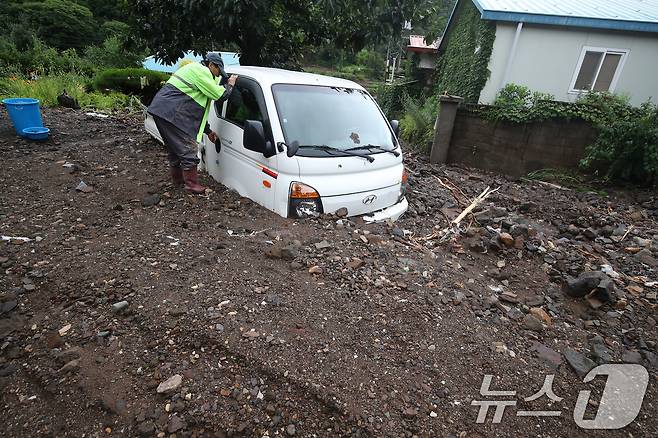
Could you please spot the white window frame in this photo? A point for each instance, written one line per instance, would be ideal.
(613, 85)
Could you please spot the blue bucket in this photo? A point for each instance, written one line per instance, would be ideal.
(24, 113)
(36, 133)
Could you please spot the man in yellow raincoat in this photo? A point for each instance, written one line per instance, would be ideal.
(180, 111)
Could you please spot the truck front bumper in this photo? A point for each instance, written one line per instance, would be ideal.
(392, 213)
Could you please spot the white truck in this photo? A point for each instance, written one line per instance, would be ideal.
(301, 144)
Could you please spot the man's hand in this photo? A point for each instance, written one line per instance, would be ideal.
(212, 136)
(231, 81)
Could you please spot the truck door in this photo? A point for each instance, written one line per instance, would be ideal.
(249, 173)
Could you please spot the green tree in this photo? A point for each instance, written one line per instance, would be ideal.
(62, 24)
(267, 32)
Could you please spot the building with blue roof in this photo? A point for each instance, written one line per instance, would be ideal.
(562, 47)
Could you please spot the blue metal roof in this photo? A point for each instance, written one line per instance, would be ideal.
(629, 15)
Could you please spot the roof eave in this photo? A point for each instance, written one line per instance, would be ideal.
(596, 23)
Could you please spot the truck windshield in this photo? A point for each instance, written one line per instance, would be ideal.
(339, 119)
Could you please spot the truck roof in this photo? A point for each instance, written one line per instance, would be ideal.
(270, 76)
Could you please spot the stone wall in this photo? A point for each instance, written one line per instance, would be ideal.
(515, 149)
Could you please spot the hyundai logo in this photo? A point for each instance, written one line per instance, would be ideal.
(370, 199)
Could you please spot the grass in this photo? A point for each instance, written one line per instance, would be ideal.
(566, 178)
(47, 88)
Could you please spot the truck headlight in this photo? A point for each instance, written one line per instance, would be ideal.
(405, 184)
(303, 201)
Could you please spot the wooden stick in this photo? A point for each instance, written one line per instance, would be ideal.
(484, 195)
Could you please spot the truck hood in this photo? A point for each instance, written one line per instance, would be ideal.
(337, 176)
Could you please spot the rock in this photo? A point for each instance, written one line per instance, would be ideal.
(355, 263)
(113, 405)
(487, 216)
(317, 270)
(323, 245)
(541, 315)
(514, 314)
(579, 362)
(175, 424)
(146, 429)
(548, 355)
(291, 430)
(280, 250)
(69, 355)
(590, 233)
(534, 301)
(601, 353)
(458, 298)
(251, 334)
(151, 200)
(410, 412)
(397, 232)
(170, 385)
(645, 256)
(506, 239)
(589, 282)
(532, 323)
(54, 340)
(119, 307)
(520, 230)
(8, 370)
(8, 306)
(73, 366)
(629, 356)
(651, 358)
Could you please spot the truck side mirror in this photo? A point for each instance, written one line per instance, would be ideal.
(395, 125)
(254, 138)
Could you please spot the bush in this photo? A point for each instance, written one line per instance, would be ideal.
(112, 55)
(417, 124)
(373, 62)
(519, 96)
(627, 146)
(390, 99)
(39, 60)
(138, 81)
(46, 89)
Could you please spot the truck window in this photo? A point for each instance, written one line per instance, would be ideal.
(243, 105)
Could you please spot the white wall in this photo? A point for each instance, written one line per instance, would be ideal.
(547, 57)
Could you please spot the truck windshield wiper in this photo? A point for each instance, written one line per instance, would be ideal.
(329, 149)
(375, 147)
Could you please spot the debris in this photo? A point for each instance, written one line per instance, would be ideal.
(64, 330)
(83, 187)
(16, 240)
(97, 115)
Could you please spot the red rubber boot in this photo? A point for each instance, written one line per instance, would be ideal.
(192, 182)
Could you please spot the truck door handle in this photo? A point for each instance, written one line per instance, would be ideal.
(226, 140)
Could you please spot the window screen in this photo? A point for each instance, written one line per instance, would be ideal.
(597, 70)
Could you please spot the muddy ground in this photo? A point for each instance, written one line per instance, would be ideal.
(263, 326)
